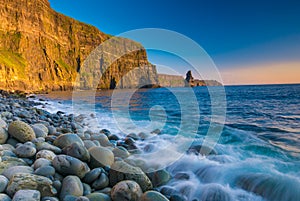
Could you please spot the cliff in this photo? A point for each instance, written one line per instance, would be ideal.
(42, 50)
(165, 80)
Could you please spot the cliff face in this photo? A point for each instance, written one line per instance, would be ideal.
(42, 50)
(171, 80)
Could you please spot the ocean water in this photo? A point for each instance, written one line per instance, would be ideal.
(256, 156)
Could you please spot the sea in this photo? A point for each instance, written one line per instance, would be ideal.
(251, 146)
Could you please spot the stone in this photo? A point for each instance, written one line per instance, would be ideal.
(78, 151)
(67, 165)
(159, 178)
(10, 163)
(25, 151)
(46, 171)
(153, 196)
(89, 144)
(50, 199)
(39, 132)
(3, 183)
(3, 135)
(10, 172)
(27, 195)
(101, 157)
(92, 175)
(66, 140)
(4, 197)
(21, 131)
(102, 139)
(47, 146)
(51, 130)
(101, 182)
(120, 152)
(49, 155)
(98, 197)
(41, 162)
(71, 186)
(86, 189)
(121, 170)
(126, 190)
(3, 124)
(27, 181)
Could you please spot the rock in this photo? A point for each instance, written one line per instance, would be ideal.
(86, 189)
(10, 172)
(25, 151)
(51, 130)
(126, 190)
(71, 186)
(57, 185)
(3, 124)
(41, 162)
(101, 157)
(39, 130)
(121, 170)
(202, 150)
(68, 165)
(3, 135)
(177, 198)
(4, 197)
(49, 155)
(92, 175)
(47, 146)
(78, 151)
(101, 182)
(3, 183)
(27, 195)
(159, 178)
(120, 152)
(10, 163)
(46, 171)
(98, 197)
(30, 182)
(50, 199)
(66, 140)
(102, 139)
(21, 131)
(153, 196)
(89, 144)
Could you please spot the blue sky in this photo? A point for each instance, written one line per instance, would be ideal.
(235, 33)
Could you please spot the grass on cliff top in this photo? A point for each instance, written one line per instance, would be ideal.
(13, 60)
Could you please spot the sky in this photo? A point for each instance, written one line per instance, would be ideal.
(250, 41)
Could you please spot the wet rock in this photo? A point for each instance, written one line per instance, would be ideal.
(3, 135)
(3, 183)
(27, 195)
(71, 186)
(67, 139)
(68, 165)
(50, 199)
(101, 157)
(41, 162)
(10, 172)
(159, 177)
(10, 163)
(121, 170)
(21, 131)
(86, 189)
(120, 152)
(25, 151)
(40, 130)
(30, 182)
(4, 197)
(78, 151)
(153, 196)
(92, 175)
(3, 124)
(98, 197)
(102, 139)
(46, 171)
(101, 182)
(201, 150)
(126, 190)
(47, 146)
(89, 144)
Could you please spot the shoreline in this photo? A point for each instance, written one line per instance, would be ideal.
(42, 154)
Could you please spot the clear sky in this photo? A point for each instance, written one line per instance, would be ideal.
(251, 41)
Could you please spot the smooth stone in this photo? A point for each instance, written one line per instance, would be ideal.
(12, 141)
(159, 178)
(92, 175)
(106, 191)
(57, 185)
(9, 153)
(71, 185)
(3, 135)
(47, 154)
(177, 198)
(41, 162)
(40, 130)
(105, 132)
(102, 139)
(45, 171)
(202, 150)
(78, 151)
(30, 182)
(101, 157)
(153, 196)
(10, 163)
(25, 151)
(98, 197)
(10, 172)
(68, 165)
(3, 124)
(3, 183)
(126, 190)
(27, 195)
(4, 197)
(66, 140)
(47, 146)
(121, 170)
(86, 189)
(51, 130)
(120, 152)
(21, 131)
(50, 199)
(101, 182)
(89, 144)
